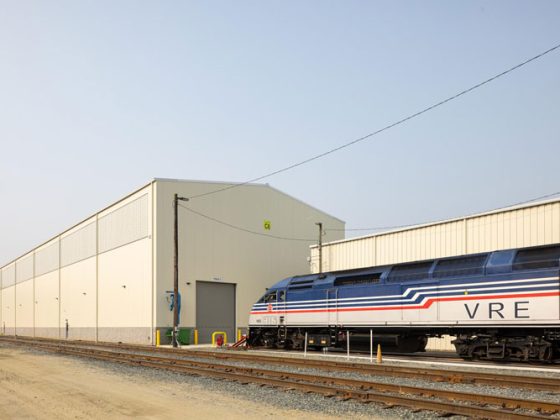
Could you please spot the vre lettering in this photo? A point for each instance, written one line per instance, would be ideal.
(495, 310)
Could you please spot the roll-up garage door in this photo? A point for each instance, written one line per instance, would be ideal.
(215, 310)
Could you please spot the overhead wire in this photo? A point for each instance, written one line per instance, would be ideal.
(284, 238)
(325, 230)
(381, 130)
(542, 197)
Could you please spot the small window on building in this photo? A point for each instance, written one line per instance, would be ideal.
(462, 266)
(530, 259)
(410, 272)
(358, 279)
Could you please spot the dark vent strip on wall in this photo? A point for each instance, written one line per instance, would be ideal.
(462, 266)
(530, 259)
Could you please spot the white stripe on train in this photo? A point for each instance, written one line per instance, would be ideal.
(410, 289)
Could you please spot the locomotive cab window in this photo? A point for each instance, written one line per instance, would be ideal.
(268, 297)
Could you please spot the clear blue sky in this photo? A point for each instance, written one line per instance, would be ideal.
(98, 97)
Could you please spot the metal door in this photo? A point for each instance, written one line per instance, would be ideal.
(215, 310)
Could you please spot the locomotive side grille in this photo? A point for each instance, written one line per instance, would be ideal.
(548, 257)
(463, 266)
(359, 279)
(301, 284)
(301, 281)
(410, 272)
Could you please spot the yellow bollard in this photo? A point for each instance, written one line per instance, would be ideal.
(158, 338)
(379, 357)
(238, 334)
(195, 337)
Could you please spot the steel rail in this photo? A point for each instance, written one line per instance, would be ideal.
(302, 379)
(329, 391)
(433, 374)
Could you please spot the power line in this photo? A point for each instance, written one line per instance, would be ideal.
(387, 127)
(244, 229)
(542, 197)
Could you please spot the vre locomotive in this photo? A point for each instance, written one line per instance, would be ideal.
(499, 305)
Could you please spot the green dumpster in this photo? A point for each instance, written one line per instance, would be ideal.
(185, 335)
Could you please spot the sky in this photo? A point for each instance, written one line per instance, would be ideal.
(99, 97)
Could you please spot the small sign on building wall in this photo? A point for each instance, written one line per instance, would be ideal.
(267, 225)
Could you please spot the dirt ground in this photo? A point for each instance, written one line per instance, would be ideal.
(35, 385)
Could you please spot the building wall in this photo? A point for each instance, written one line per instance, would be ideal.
(78, 296)
(9, 299)
(24, 295)
(210, 251)
(125, 298)
(47, 289)
(93, 281)
(47, 305)
(125, 270)
(104, 278)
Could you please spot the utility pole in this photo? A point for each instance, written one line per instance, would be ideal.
(175, 336)
(320, 246)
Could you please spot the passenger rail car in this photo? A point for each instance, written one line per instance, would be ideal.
(500, 305)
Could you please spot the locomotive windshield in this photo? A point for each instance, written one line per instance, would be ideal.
(268, 297)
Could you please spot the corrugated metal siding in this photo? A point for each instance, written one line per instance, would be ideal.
(538, 225)
(46, 259)
(440, 344)
(530, 226)
(79, 245)
(24, 269)
(127, 224)
(8, 276)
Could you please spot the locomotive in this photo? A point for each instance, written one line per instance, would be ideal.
(501, 305)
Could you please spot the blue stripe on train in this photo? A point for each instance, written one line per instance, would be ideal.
(535, 287)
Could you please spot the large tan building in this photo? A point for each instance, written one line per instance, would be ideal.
(108, 278)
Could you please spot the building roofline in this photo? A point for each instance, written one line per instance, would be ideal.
(76, 224)
(201, 181)
(307, 204)
(251, 184)
(442, 222)
(154, 180)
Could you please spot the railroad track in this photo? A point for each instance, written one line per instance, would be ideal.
(430, 374)
(366, 391)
